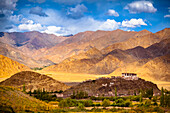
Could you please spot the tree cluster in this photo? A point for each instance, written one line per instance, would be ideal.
(79, 95)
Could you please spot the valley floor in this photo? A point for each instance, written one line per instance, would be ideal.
(75, 77)
(70, 77)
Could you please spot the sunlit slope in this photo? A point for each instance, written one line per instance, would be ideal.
(34, 81)
(9, 67)
(12, 99)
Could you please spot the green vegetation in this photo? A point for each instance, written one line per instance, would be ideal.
(106, 103)
(13, 100)
(79, 95)
(44, 95)
(38, 68)
(165, 98)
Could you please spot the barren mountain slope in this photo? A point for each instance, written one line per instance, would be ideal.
(78, 43)
(34, 81)
(30, 45)
(157, 69)
(9, 67)
(143, 41)
(78, 63)
(17, 55)
(93, 62)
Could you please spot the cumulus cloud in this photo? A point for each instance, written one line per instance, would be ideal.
(7, 8)
(37, 11)
(68, 2)
(31, 26)
(112, 12)
(141, 6)
(77, 12)
(133, 23)
(59, 31)
(37, 1)
(8, 4)
(109, 25)
(167, 16)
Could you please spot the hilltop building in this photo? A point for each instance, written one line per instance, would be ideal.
(129, 76)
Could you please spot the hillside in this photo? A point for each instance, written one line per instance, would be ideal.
(155, 70)
(13, 100)
(79, 42)
(19, 56)
(34, 81)
(9, 67)
(94, 62)
(106, 86)
(22, 47)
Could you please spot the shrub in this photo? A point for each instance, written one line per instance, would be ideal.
(63, 104)
(120, 100)
(147, 103)
(106, 103)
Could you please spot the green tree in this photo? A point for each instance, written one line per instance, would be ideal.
(155, 100)
(106, 103)
(63, 104)
(135, 93)
(115, 92)
(24, 89)
(141, 98)
(162, 103)
(167, 100)
(149, 93)
(80, 106)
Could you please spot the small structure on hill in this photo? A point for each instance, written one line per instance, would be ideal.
(59, 95)
(130, 76)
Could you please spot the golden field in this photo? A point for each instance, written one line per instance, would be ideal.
(70, 77)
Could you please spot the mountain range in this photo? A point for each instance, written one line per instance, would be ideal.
(93, 52)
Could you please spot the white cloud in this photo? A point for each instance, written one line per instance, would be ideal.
(77, 12)
(59, 31)
(8, 4)
(31, 26)
(109, 25)
(112, 12)
(133, 23)
(167, 16)
(58, 24)
(140, 6)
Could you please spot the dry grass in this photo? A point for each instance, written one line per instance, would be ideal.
(13, 98)
(70, 77)
(163, 84)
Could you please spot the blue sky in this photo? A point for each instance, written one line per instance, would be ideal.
(63, 17)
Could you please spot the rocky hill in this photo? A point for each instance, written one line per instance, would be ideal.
(34, 81)
(106, 86)
(9, 67)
